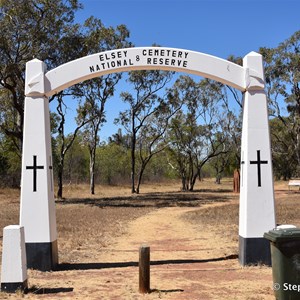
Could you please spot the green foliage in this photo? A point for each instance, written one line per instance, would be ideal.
(76, 166)
(283, 80)
(203, 138)
(145, 106)
(113, 164)
(284, 156)
(10, 164)
(89, 38)
(200, 131)
(29, 29)
(94, 93)
(159, 169)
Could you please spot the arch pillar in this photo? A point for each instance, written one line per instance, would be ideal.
(256, 212)
(37, 210)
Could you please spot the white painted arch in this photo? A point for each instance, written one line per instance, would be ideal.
(143, 58)
(37, 209)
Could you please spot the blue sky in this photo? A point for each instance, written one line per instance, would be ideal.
(216, 27)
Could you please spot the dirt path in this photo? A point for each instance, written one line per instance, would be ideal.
(169, 237)
(186, 263)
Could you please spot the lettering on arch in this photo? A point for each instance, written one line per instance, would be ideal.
(145, 58)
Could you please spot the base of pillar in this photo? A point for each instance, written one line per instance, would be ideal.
(13, 287)
(42, 256)
(253, 251)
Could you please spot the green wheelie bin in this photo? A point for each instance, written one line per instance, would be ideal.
(285, 256)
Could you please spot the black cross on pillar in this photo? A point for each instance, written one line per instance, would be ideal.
(35, 167)
(258, 162)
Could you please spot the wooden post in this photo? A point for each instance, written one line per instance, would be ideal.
(144, 269)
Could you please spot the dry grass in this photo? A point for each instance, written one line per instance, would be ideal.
(9, 207)
(116, 211)
(85, 227)
(79, 217)
(104, 191)
(287, 208)
(89, 226)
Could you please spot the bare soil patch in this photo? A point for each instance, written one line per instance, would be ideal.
(193, 239)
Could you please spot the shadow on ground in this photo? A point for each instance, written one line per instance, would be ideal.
(169, 199)
(42, 291)
(91, 266)
(166, 291)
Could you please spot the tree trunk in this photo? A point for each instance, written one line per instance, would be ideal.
(183, 177)
(92, 151)
(143, 166)
(133, 167)
(133, 144)
(138, 184)
(193, 180)
(183, 185)
(92, 176)
(297, 150)
(218, 179)
(60, 178)
(191, 187)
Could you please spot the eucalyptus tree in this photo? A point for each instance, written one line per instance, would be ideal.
(29, 29)
(228, 161)
(283, 155)
(64, 142)
(237, 95)
(92, 94)
(283, 87)
(197, 133)
(143, 104)
(152, 136)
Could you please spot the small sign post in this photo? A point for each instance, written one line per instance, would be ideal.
(144, 269)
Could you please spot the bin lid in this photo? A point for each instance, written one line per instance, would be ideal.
(280, 235)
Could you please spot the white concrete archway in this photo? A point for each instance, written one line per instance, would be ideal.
(37, 212)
